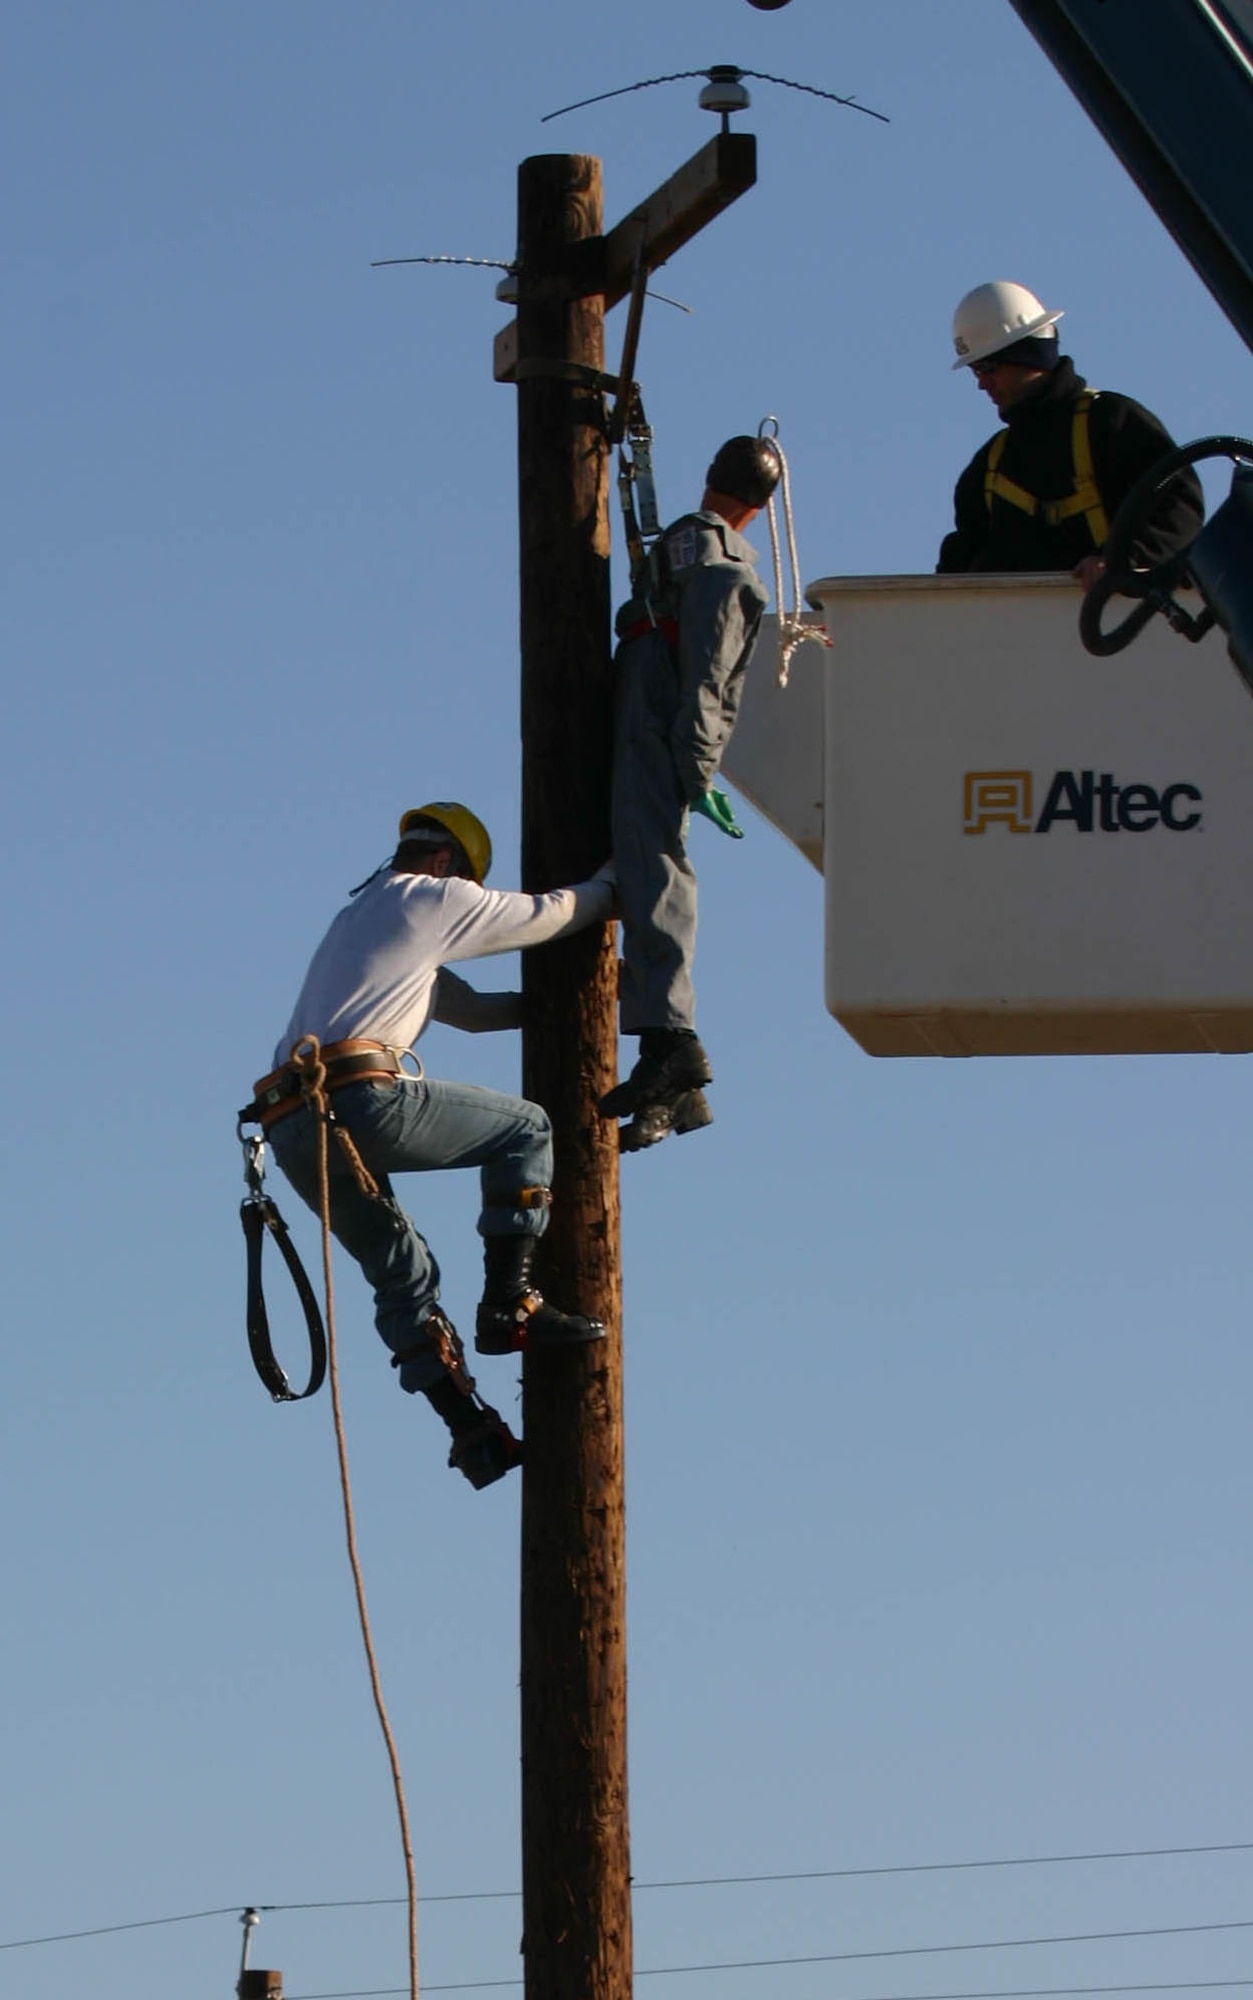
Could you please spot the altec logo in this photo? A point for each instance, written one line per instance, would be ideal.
(1089, 801)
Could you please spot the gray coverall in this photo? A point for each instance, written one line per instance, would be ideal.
(678, 695)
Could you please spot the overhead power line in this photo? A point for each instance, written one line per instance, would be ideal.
(813, 1874)
(686, 1882)
(941, 1867)
(890, 1951)
(140, 1924)
(999, 1993)
(807, 1875)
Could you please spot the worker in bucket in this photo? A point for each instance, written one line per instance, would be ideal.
(684, 641)
(378, 977)
(1041, 493)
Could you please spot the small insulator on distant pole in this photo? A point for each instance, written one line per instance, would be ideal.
(255, 1985)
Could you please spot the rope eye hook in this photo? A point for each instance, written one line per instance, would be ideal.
(793, 631)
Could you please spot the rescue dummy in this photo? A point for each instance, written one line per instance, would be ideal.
(684, 641)
(379, 976)
(1041, 494)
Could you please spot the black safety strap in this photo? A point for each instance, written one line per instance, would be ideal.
(540, 368)
(259, 1214)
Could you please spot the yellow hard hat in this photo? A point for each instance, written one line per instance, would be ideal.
(462, 824)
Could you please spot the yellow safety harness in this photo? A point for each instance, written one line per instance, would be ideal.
(1086, 498)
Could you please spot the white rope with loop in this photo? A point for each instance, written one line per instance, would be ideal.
(306, 1059)
(793, 631)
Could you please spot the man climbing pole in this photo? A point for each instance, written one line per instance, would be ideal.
(376, 980)
(1041, 494)
(684, 641)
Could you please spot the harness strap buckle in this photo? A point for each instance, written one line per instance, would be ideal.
(534, 1197)
(441, 1335)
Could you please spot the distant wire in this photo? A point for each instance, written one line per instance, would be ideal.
(691, 1882)
(749, 1965)
(819, 1874)
(106, 1930)
(624, 90)
(889, 1951)
(762, 76)
(479, 263)
(833, 1958)
(940, 1867)
(686, 75)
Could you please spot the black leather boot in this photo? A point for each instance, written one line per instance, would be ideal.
(513, 1315)
(687, 1112)
(672, 1065)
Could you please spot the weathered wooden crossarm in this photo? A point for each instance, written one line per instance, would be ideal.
(670, 216)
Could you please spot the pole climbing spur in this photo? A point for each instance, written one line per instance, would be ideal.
(484, 1448)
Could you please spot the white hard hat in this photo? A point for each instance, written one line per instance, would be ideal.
(995, 316)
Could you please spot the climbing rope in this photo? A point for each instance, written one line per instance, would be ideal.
(306, 1058)
(793, 630)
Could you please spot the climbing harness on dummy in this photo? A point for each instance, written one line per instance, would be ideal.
(684, 641)
(379, 976)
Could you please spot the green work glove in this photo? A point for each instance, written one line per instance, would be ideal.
(717, 807)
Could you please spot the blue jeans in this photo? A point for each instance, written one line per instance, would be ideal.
(417, 1125)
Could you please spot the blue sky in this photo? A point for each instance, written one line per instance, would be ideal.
(937, 1373)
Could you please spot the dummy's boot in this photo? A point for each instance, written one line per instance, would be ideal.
(484, 1448)
(664, 1092)
(654, 1122)
(513, 1315)
(671, 1063)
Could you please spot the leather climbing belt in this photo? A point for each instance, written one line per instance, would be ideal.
(259, 1215)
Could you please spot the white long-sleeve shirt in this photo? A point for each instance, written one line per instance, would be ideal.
(375, 975)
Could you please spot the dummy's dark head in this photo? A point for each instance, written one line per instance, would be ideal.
(745, 469)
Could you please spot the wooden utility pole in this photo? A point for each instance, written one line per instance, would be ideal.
(575, 1845)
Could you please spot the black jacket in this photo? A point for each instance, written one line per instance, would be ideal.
(1038, 455)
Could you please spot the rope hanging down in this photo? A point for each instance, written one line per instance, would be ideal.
(259, 1214)
(793, 630)
(306, 1057)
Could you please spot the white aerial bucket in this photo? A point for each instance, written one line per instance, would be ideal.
(1027, 851)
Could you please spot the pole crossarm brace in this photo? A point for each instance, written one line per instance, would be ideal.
(701, 188)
